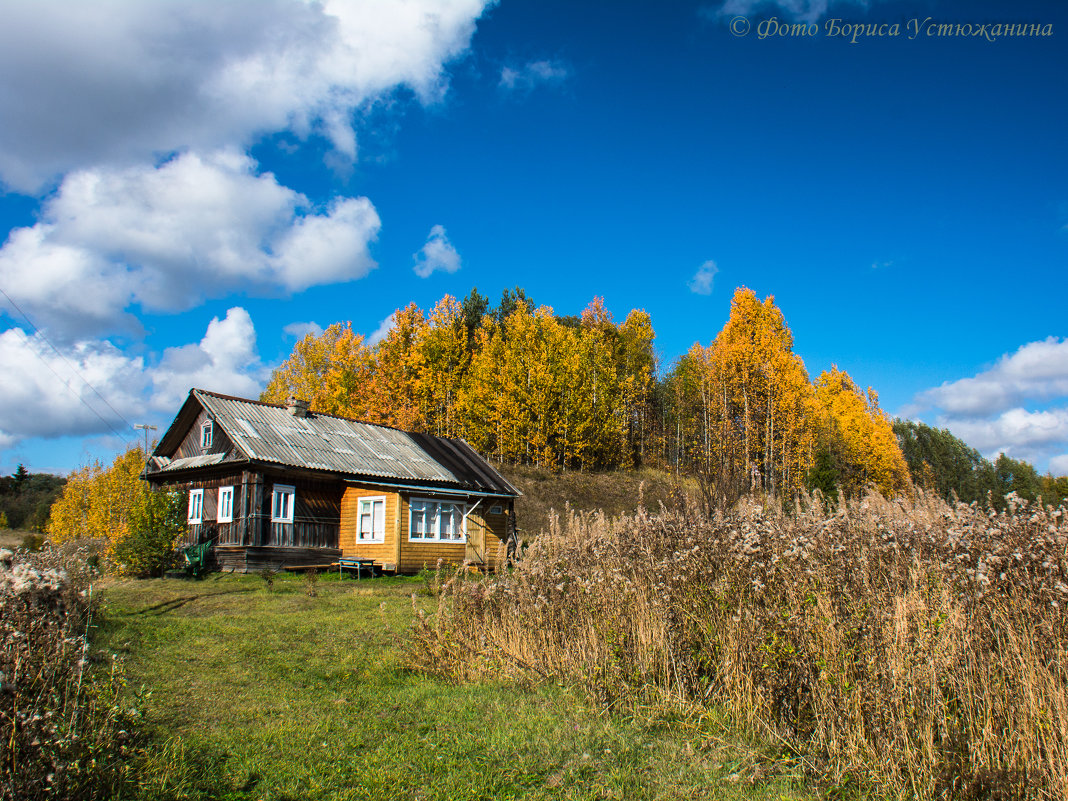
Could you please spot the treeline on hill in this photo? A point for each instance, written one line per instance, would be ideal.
(940, 462)
(26, 497)
(524, 385)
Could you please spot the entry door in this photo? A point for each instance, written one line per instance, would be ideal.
(476, 541)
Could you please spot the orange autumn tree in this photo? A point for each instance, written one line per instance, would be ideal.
(744, 404)
(139, 526)
(526, 386)
(858, 436)
(518, 387)
(328, 370)
(442, 355)
(391, 393)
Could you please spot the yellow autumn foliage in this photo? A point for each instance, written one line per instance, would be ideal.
(97, 501)
(859, 435)
(528, 386)
(745, 403)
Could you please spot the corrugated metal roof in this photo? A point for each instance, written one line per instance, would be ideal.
(188, 461)
(269, 433)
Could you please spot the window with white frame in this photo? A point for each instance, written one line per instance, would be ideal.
(226, 505)
(435, 521)
(196, 506)
(371, 520)
(282, 502)
(205, 435)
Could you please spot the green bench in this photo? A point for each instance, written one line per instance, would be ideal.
(359, 565)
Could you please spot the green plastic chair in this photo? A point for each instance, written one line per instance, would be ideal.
(196, 557)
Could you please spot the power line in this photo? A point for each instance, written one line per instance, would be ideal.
(37, 332)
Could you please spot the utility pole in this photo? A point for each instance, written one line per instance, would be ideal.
(146, 428)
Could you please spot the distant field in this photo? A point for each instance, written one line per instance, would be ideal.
(257, 693)
(12, 538)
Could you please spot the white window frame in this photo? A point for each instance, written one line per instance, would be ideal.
(283, 490)
(378, 526)
(206, 431)
(433, 507)
(196, 506)
(225, 512)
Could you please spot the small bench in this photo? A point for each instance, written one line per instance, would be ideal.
(359, 565)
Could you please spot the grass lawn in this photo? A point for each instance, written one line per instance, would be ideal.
(251, 693)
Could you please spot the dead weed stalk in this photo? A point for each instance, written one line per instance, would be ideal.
(915, 647)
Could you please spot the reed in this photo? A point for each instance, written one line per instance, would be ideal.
(909, 647)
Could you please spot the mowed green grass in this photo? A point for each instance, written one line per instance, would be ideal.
(252, 693)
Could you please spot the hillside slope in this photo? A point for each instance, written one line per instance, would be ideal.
(616, 492)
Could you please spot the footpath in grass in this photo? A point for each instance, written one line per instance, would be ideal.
(273, 693)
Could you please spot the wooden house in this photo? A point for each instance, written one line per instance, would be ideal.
(279, 486)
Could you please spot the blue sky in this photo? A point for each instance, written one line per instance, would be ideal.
(187, 186)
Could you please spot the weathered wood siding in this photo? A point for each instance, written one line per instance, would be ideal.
(252, 559)
(316, 514)
(191, 444)
(210, 528)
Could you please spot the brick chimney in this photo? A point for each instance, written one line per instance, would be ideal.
(297, 408)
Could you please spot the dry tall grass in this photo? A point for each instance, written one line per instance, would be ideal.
(64, 732)
(910, 647)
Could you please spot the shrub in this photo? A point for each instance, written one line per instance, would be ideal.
(157, 522)
(268, 574)
(65, 732)
(920, 645)
(141, 526)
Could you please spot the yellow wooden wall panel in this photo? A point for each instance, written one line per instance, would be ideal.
(413, 555)
(416, 554)
(381, 552)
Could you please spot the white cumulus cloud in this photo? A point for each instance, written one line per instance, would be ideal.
(116, 83)
(91, 387)
(999, 410)
(46, 393)
(166, 237)
(437, 254)
(225, 360)
(382, 331)
(1036, 371)
(701, 283)
(1015, 432)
